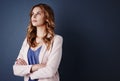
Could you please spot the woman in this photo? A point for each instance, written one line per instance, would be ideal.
(41, 52)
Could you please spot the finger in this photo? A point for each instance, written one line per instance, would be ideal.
(23, 62)
(43, 65)
(17, 61)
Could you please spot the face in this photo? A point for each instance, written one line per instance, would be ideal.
(38, 17)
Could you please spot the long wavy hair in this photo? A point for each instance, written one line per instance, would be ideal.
(50, 26)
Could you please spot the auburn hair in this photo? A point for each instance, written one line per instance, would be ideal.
(50, 26)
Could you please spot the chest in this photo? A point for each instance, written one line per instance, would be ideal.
(43, 55)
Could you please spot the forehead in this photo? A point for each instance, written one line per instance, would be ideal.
(37, 9)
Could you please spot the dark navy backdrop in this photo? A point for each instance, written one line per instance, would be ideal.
(91, 32)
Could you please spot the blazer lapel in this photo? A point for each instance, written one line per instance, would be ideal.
(42, 53)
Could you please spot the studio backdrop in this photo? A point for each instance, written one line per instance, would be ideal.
(91, 35)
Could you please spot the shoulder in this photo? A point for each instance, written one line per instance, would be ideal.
(25, 43)
(57, 41)
(58, 38)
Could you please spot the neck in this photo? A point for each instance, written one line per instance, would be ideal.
(40, 31)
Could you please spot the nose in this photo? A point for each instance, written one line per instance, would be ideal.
(34, 16)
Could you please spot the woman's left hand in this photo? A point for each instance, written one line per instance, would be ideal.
(21, 62)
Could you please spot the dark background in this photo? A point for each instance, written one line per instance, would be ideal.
(91, 32)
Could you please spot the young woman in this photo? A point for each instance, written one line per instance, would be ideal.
(41, 52)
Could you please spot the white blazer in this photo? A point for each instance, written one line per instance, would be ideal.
(51, 58)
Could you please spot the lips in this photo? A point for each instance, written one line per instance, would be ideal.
(34, 20)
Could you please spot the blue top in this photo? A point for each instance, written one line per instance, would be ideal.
(33, 57)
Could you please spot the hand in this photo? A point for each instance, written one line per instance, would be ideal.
(21, 62)
(36, 67)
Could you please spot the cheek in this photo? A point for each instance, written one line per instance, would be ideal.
(41, 19)
(32, 18)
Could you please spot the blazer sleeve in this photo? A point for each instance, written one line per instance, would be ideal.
(21, 70)
(53, 61)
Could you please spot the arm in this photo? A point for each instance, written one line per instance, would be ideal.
(23, 69)
(53, 61)
(35, 67)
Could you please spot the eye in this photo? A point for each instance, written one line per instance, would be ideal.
(32, 13)
(38, 13)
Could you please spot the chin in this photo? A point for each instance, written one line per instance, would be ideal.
(37, 25)
(34, 24)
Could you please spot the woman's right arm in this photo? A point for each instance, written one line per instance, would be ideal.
(20, 69)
